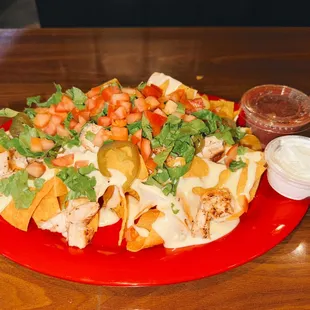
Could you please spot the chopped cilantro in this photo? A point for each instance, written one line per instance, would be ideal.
(174, 210)
(78, 97)
(90, 136)
(235, 165)
(54, 99)
(134, 127)
(67, 120)
(31, 100)
(241, 150)
(141, 86)
(146, 128)
(86, 170)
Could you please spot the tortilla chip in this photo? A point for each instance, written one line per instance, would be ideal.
(94, 223)
(146, 221)
(261, 168)
(108, 195)
(20, 218)
(186, 208)
(164, 86)
(60, 188)
(223, 108)
(123, 214)
(199, 168)
(251, 142)
(47, 208)
(133, 193)
(225, 174)
(143, 172)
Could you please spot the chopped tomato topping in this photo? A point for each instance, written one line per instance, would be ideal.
(150, 164)
(119, 133)
(119, 113)
(81, 163)
(78, 127)
(119, 97)
(73, 123)
(126, 105)
(104, 121)
(119, 122)
(63, 132)
(35, 145)
(231, 155)
(98, 106)
(152, 102)
(146, 149)
(108, 92)
(50, 129)
(56, 119)
(134, 117)
(188, 118)
(197, 104)
(137, 137)
(67, 101)
(64, 161)
(101, 136)
(41, 120)
(156, 121)
(47, 144)
(36, 169)
(140, 104)
(152, 90)
(160, 112)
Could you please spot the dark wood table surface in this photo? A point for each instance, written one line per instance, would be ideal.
(231, 60)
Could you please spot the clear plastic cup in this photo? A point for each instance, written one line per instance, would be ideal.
(276, 110)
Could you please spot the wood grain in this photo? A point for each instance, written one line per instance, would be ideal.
(231, 61)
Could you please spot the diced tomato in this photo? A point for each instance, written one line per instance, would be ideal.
(82, 121)
(41, 120)
(110, 110)
(119, 133)
(104, 121)
(156, 121)
(56, 119)
(132, 91)
(152, 102)
(140, 104)
(81, 163)
(94, 91)
(64, 161)
(197, 104)
(35, 145)
(63, 132)
(231, 155)
(50, 129)
(188, 118)
(42, 110)
(62, 115)
(119, 113)
(126, 105)
(78, 127)
(160, 112)
(73, 123)
(90, 104)
(119, 122)
(52, 109)
(101, 136)
(119, 97)
(67, 101)
(137, 137)
(75, 113)
(108, 92)
(98, 107)
(61, 107)
(134, 117)
(146, 149)
(177, 95)
(150, 164)
(85, 114)
(47, 144)
(152, 90)
(36, 169)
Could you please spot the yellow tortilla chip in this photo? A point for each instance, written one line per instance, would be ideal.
(47, 208)
(138, 242)
(223, 108)
(251, 142)
(164, 86)
(20, 218)
(133, 193)
(94, 223)
(225, 174)
(60, 188)
(199, 168)
(123, 211)
(108, 195)
(143, 173)
(261, 168)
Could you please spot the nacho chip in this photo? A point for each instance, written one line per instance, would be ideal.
(47, 208)
(94, 223)
(133, 193)
(164, 86)
(20, 218)
(108, 195)
(199, 168)
(137, 242)
(123, 214)
(225, 174)
(60, 188)
(143, 173)
(251, 142)
(223, 108)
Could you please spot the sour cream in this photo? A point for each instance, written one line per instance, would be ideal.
(288, 159)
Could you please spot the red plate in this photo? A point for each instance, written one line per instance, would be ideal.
(270, 219)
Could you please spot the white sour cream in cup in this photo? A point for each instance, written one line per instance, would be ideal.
(288, 159)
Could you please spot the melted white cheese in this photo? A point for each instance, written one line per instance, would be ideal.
(159, 78)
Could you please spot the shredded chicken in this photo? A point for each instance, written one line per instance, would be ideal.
(72, 222)
(18, 161)
(4, 164)
(213, 148)
(215, 204)
(93, 128)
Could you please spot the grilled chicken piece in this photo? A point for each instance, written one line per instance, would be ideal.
(18, 161)
(4, 164)
(213, 148)
(214, 204)
(72, 222)
(93, 128)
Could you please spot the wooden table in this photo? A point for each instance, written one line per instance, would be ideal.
(231, 61)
